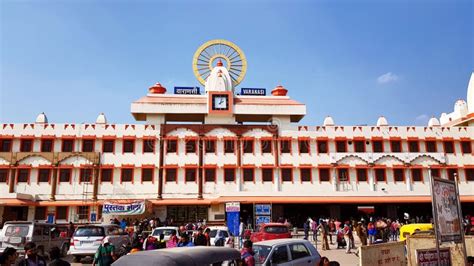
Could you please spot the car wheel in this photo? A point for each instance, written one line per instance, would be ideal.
(77, 258)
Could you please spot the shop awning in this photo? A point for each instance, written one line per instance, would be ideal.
(181, 202)
(16, 202)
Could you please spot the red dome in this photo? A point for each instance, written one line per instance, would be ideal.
(279, 91)
(157, 88)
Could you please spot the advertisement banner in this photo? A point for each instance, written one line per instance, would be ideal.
(233, 222)
(263, 209)
(134, 208)
(447, 214)
(232, 207)
(262, 220)
(428, 257)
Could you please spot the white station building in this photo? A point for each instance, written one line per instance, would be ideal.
(192, 152)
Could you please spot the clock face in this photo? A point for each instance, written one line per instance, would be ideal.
(220, 102)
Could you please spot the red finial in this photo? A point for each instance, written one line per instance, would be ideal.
(279, 91)
(219, 63)
(157, 88)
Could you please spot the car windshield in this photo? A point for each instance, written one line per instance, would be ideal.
(164, 231)
(17, 230)
(90, 231)
(276, 229)
(261, 253)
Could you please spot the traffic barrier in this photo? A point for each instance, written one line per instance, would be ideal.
(386, 254)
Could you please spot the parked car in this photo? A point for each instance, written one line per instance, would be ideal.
(87, 239)
(270, 231)
(286, 252)
(182, 256)
(45, 236)
(215, 231)
(166, 230)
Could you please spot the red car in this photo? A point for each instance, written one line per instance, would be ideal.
(270, 231)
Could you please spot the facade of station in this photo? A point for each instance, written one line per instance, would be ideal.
(193, 151)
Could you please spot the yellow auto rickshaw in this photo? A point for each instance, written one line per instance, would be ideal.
(409, 229)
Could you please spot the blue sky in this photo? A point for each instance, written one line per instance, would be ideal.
(353, 60)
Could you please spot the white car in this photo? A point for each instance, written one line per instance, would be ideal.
(165, 230)
(286, 252)
(216, 231)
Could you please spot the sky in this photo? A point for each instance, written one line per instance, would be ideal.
(353, 60)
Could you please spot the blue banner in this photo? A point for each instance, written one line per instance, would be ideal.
(263, 209)
(93, 217)
(233, 222)
(253, 91)
(262, 219)
(50, 218)
(187, 90)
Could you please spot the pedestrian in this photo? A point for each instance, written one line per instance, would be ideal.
(314, 229)
(241, 232)
(246, 254)
(105, 254)
(207, 234)
(70, 230)
(347, 232)
(184, 241)
(325, 231)
(200, 239)
(31, 257)
(8, 257)
(372, 232)
(306, 229)
(123, 224)
(173, 241)
(55, 256)
(332, 229)
(362, 233)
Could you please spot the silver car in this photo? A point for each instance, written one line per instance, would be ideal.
(87, 239)
(286, 252)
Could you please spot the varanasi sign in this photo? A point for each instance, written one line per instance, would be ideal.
(187, 90)
(124, 209)
(253, 91)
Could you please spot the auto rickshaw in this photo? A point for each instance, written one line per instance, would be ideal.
(409, 229)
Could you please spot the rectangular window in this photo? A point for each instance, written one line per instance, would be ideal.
(417, 175)
(430, 146)
(83, 212)
(229, 174)
(5, 145)
(47, 145)
(40, 213)
(377, 145)
(190, 146)
(148, 145)
(466, 147)
(127, 175)
(266, 146)
(3, 175)
(452, 172)
(448, 146)
(359, 146)
(303, 146)
(285, 146)
(413, 146)
(322, 146)
(210, 146)
(396, 145)
(190, 174)
(267, 174)
(398, 175)
(88, 145)
(61, 213)
(108, 145)
(171, 146)
(210, 175)
(228, 146)
(435, 173)
(171, 174)
(65, 175)
(106, 175)
(147, 174)
(248, 174)
(26, 145)
(469, 174)
(67, 145)
(85, 175)
(286, 174)
(128, 145)
(23, 175)
(305, 174)
(324, 175)
(248, 146)
(361, 174)
(380, 175)
(343, 174)
(44, 174)
(341, 146)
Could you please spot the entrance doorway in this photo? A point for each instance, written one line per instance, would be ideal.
(15, 213)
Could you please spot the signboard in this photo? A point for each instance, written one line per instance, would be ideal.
(124, 209)
(187, 90)
(262, 219)
(387, 254)
(232, 207)
(428, 257)
(446, 210)
(263, 209)
(93, 216)
(233, 222)
(253, 91)
(50, 219)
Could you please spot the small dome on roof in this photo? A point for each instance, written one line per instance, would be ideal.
(433, 122)
(328, 121)
(382, 121)
(101, 119)
(41, 119)
(460, 106)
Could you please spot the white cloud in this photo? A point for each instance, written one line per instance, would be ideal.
(422, 117)
(387, 78)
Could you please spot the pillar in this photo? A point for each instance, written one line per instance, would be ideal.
(160, 168)
(238, 170)
(371, 178)
(276, 172)
(54, 183)
(95, 188)
(11, 184)
(408, 179)
(200, 168)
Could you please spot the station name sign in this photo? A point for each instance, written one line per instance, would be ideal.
(253, 91)
(187, 90)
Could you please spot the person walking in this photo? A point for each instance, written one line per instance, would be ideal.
(347, 232)
(105, 254)
(246, 254)
(8, 256)
(325, 231)
(184, 241)
(31, 256)
(372, 232)
(362, 233)
(314, 229)
(173, 241)
(306, 229)
(55, 256)
(70, 230)
(200, 239)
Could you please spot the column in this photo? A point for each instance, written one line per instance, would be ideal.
(200, 168)
(238, 170)
(11, 184)
(54, 182)
(335, 181)
(160, 168)
(95, 187)
(276, 172)
(371, 177)
(408, 178)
